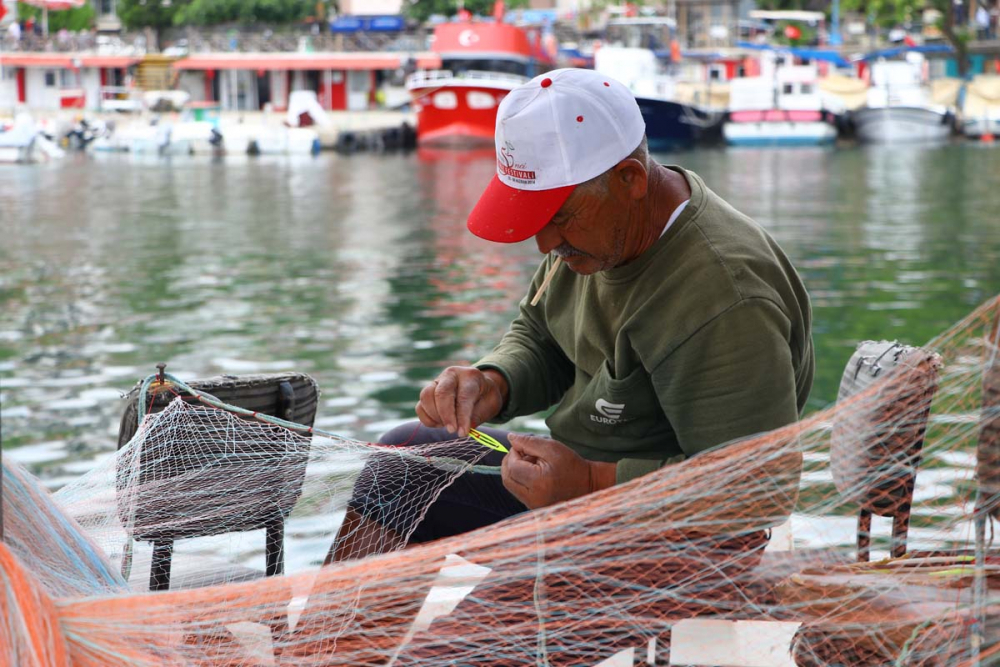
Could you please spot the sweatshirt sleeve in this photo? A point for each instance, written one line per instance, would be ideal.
(536, 370)
(732, 378)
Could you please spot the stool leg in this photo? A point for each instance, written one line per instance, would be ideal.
(864, 535)
(159, 573)
(275, 549)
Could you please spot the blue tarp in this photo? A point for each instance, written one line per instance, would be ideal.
(387, 23)
(531, 16)
(800, 52)
(900, 50)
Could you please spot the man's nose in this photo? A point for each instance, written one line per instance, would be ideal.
(548, 239)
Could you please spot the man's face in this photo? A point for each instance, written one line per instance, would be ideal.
(588, 231)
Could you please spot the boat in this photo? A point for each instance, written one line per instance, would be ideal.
(24, 142)
(670, 123)
(782, 107)
(899, 108)
(981, 107)
(480, 63)
(270, 139)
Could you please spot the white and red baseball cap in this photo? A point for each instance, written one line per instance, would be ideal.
(554, 132)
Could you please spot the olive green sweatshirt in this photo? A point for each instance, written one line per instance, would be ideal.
(702, 339)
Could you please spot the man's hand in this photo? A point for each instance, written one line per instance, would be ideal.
(462, 398)
(540, 472)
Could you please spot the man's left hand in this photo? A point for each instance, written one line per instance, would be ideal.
(540, 472)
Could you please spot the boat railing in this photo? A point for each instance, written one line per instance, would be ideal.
(424, 78)
(120, 98)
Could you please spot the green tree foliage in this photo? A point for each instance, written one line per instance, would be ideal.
(810, 5)
(160, 14)
(156, 14)
(213, 12)
(79, 18)
(889, 13)
(421, 10)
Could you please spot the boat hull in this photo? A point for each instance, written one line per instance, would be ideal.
(671, 125)
(456, 115)
(779, 128)
(901, 125)
(975, 128)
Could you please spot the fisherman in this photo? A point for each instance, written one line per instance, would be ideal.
(673, 323)
(661, 323)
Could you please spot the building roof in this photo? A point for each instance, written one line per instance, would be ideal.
(65, 60)
(307, 61)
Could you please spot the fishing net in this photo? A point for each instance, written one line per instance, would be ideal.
(863, 533)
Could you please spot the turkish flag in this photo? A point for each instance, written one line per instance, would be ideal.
(3, 10)
(909, 41)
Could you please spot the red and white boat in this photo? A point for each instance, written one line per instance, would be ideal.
(782, 107)
(481, 62)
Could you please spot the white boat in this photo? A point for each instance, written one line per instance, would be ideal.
(25, 143)
(269, 139)
(899, 107)
(194, 137)
(981, 107)
(782, 107)
(147, 139)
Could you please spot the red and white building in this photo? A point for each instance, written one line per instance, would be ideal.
(49, 81)
(248, 81)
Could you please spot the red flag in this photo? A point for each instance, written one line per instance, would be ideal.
(909, 41)
(498, 11)
(3, 10)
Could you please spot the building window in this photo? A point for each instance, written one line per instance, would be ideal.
(787, 89)
(806, 88)
(106, 7)
(50, 79)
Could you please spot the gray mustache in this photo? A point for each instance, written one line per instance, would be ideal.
(566, 250)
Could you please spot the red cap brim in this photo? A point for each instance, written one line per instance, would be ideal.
(508, 215)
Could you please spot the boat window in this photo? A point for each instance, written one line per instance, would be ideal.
(806, 89)
(445, 99)
(476, 99)
(788, 89)
(50, 79)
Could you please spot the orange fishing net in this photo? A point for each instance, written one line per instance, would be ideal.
(900, 474)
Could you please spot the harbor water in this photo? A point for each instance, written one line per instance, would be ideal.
(358, 270)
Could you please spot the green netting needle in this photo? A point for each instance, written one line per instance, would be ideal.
(486, 441)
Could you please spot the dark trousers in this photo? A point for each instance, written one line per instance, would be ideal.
(471, 501)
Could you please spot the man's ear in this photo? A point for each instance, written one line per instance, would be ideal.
(632, 177)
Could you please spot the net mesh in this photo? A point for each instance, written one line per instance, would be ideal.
(866, 529)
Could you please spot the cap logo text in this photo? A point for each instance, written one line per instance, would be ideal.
(508, 167)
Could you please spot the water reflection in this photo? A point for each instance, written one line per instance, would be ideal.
(359, 271)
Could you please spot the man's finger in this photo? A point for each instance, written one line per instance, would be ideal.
(520, 472)
(468, 393)
(426, 418)
(427, 407)
(530, 445)
(444, 399)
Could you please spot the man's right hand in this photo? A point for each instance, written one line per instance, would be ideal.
(462, 398)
